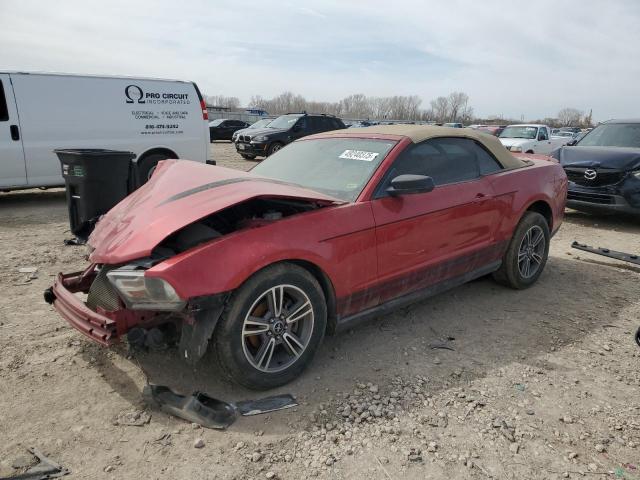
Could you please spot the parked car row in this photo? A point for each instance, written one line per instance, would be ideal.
(265, 141)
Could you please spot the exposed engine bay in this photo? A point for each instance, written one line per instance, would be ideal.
(253, 213)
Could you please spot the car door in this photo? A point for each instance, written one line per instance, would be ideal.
(544, 142)
(301, 128)
(224, 130)
(427, 238)
(13, 170)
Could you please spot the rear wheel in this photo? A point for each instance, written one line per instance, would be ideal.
(272, 327)
(527, 253)
(148, 164)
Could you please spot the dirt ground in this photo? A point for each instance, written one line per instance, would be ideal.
(542, 383)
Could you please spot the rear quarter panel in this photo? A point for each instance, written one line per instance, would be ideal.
(516, 190)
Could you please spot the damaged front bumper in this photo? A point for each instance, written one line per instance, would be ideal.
(99, 325)
(196, 322)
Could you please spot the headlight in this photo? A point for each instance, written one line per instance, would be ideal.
(140, 292)
(636, 174)
(515, 148)
(260, 138)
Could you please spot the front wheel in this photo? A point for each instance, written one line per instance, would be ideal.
(274, 148)
(527, 253)
(272, 327)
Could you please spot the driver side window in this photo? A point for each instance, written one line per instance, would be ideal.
(446, 160)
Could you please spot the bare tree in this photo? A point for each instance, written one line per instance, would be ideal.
(454, 107)
(457, 105)
(569, 117)
(222, 101)
(440, 108)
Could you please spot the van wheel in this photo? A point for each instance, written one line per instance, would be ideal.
(147, 166)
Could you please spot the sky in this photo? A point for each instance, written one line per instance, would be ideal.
(513, 58)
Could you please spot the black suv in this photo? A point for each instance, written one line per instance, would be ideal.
(223, 128)
(283, 130)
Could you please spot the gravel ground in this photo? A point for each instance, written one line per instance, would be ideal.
(479, 382)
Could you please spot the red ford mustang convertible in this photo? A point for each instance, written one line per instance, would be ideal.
(333, 229)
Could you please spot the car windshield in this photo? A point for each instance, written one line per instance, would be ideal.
(261, 123)
(519, 132)
(339, 167)
(284, 121)
(613, 135)
(217, 122)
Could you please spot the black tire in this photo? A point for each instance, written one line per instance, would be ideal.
(510, 272)
(274, 147)
(247, 157)
(147, 165)
(229, 340)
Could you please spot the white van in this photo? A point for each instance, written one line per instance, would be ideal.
(39, 112)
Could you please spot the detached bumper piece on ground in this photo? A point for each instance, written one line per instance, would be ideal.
(43, 470)
(625, 257)
(209, 412)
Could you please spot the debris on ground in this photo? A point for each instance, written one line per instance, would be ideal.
(37, 467)
(133, 418)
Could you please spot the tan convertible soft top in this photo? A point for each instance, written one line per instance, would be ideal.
(419, 133)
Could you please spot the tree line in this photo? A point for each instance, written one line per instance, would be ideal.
(452, 108)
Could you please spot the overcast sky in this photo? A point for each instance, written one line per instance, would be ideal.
(512, 58)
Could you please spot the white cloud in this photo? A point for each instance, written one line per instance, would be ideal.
(512, 58)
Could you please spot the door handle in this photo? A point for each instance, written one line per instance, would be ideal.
(15, 132)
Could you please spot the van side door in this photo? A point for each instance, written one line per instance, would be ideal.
(13, 171)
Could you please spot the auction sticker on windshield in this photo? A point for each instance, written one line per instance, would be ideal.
(359, 155)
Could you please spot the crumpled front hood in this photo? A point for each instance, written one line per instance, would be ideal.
(510, 142)
(617, 158)
(179, 193)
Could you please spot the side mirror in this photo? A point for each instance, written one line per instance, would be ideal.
(297, 127)
(571, 143)
(407, 184)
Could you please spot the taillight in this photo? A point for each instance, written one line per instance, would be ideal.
(205, 113)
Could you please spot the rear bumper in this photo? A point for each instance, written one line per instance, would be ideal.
(96, 326)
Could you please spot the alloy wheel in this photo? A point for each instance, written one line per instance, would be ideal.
(277, 329)
(531, 252)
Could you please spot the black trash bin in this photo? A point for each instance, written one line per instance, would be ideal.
(96, 180)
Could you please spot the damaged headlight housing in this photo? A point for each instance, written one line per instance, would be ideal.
(140, 292)
(636, 174)
(260, 138)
